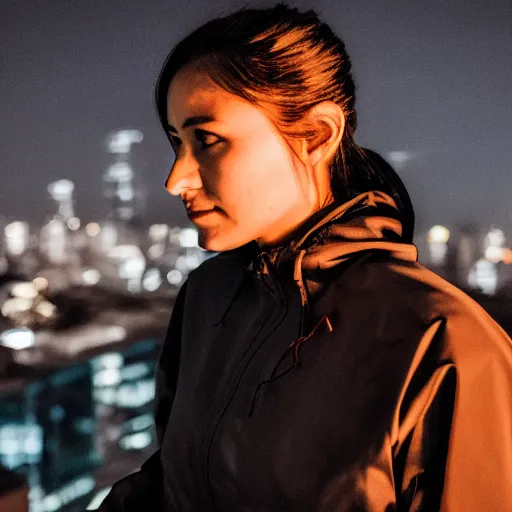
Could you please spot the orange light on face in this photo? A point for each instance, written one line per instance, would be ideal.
(507, 256)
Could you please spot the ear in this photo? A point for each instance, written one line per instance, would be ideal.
(327, 121)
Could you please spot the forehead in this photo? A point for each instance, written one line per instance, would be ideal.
(192, 91)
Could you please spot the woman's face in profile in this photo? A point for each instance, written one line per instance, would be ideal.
(231, 162)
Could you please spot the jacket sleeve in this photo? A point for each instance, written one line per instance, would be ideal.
(454, 448)
(143, 490)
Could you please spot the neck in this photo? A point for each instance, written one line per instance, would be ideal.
(299, 230)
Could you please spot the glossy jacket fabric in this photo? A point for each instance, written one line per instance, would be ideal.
(334, 374)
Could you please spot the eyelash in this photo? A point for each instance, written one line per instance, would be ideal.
(200, 135)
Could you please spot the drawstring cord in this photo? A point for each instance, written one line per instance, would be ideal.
(295, 345)
(297, 276)
(265, 266)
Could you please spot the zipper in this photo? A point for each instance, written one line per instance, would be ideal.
(246, 359)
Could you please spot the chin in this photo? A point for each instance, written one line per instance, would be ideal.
(219, 243)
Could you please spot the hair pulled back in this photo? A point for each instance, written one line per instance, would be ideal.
(285, 62)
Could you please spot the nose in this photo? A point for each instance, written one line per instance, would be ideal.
(184, 175)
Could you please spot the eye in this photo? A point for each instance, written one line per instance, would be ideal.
(206, 139)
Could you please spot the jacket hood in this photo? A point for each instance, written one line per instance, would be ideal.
(369, 221)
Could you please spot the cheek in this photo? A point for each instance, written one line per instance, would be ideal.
(266, 166)
(254, 181)
(268, 195)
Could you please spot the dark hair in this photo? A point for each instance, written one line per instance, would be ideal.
(285, 62)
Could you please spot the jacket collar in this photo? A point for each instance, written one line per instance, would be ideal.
(369, 221)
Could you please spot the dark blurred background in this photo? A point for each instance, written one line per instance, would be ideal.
(93, 249)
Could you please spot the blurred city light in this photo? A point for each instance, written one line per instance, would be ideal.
(91, 276)
(16, 237)
(438, 234)
(17, 339)
(156, 251)
(189, 237)
(108, 237)
(494, 254)
(131, 261)
(41, 283)
(92, 229)
(24, 290)
(494, 250)
(20, 444)
(109, 360)
(495, 237)
(54, 241)
(106, 377)
(136, 441)
(438, 237)
(399, 158)
(135, 371)
(133, 395)
(98, 498)
(11, 307)
(119, 172)
(484, 276)
(151, 280)
(175, 277)
(121, 141)
(46, 309)
(62, 192)
(68, 493)
(158, 232)
(73, 223)
(140, 422)
(185, 262)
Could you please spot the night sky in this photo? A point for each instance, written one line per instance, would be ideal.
(433, 79)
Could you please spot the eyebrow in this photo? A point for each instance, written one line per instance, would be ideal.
(192, 121)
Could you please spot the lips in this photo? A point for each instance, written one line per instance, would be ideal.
(196, 214)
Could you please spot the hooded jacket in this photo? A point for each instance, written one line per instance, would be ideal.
(332, 374)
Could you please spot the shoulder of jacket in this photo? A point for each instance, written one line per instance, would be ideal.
(468, 328)
(411, 278)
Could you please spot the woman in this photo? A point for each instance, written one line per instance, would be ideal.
(313, 365)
